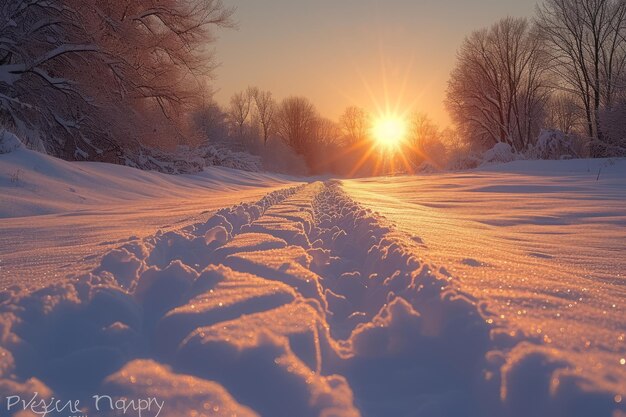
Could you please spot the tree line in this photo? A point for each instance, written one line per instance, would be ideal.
(291, 132)
(564, 69)
(96, 79)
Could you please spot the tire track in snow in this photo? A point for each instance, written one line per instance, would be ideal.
(303, 304)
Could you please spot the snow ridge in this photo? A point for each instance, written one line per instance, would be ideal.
(302, 304)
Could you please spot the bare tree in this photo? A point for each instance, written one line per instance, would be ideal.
(424, 135)
(497, 88)
(422, 129)
(239, 110)
(563, 112)
(326, 132)
(295, 123)
(588, 50)
(355, 123)
(265, 111)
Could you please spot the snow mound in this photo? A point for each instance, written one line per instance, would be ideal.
(167, 393)
(553, 144)
(32, 183)
(9, 142)
(500, 153)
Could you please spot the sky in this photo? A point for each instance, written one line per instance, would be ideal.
(390, 56)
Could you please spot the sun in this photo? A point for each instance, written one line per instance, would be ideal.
(389, 131)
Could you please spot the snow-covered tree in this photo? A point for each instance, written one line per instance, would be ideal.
(86, 77)
(40, 43)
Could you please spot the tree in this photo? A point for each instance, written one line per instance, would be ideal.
(326, 132)
(296, 123)
(88, 76)
(585, 40)
(355, 123)
(210, 120)
(37, 38)
(421, 131)
(425, 140)
(265, 111)
(239, 110)
(497, 88)
(563, 112)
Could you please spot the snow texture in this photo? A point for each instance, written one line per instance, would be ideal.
(307, 302)
(500, 153)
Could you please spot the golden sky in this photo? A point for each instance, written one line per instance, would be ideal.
(352, 52)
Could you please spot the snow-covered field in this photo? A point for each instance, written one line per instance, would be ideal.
(55, 216)
(497, 292)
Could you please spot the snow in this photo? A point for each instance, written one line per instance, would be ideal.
(501, 152)
(92, 207)
(542, 245)
(495, 292)
(9, 142)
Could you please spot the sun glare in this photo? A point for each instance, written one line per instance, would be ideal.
(389, 131)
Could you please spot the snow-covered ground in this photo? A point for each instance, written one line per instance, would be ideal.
(56, 215)
(496, 292)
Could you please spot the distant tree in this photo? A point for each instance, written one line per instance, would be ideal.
(497, 89)
(355, 123)
(211, 121)
(326, 132)
(324, 151)
(585, 40)
(425, 140)
(265, 107)
(296, 123)
(239, 110)
(422, 130)
(563, 112)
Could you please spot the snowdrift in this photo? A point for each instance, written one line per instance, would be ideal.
(9, 142)
(32, 183)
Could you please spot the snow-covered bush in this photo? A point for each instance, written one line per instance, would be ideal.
(553, 144)
(186, 160)
(9, 142)
(500, 153)
(600, 149)
(230, 159)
